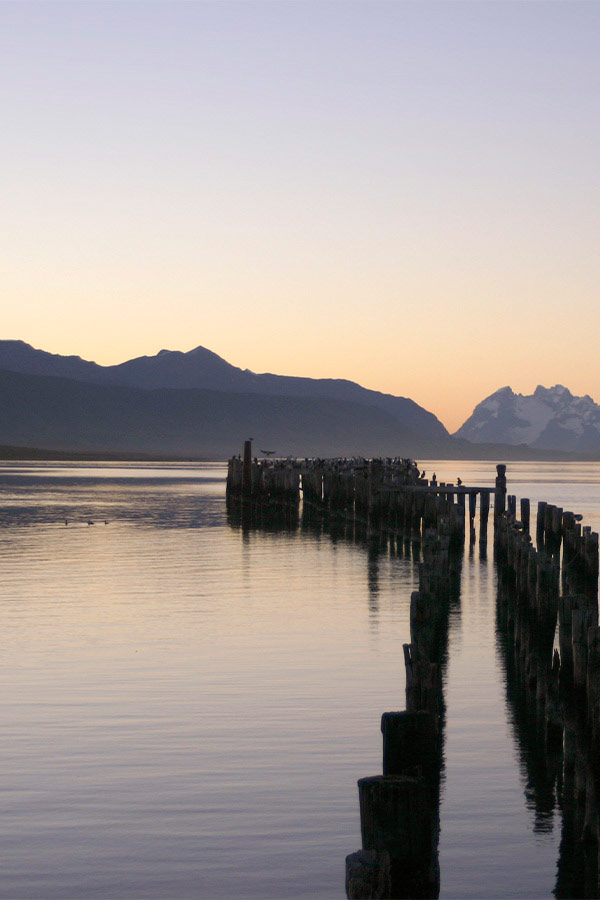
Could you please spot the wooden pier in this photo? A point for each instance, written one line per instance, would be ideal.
(547, 619)
(390, 493)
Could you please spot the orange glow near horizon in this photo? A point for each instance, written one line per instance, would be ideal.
(390, 218)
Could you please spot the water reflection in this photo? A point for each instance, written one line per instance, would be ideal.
(131, 636)
(399, 810)
(186, 501)
(548, 722)
(559, 776)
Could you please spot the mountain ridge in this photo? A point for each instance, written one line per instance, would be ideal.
(549, 421)
(549, 418)
(203, 369)
(69, 415)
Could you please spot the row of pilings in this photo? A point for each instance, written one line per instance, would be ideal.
(399, 809)
(390, 494)
(547, 614)
(547, 619)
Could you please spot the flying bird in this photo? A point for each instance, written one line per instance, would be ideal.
(268, 452)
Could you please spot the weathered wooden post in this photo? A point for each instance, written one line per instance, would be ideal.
(500, 495)
(410, 740)
(396, 817)
(593, 681)
(540, 525)
(484, 509)
(472, 511)
(368, 875)
(567, 603)
(582, 620)
(525, 514)
(234, 475)
(247, 470)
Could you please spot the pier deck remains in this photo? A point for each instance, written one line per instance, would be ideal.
(389, 493)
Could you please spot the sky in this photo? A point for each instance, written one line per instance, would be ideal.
(402, 194)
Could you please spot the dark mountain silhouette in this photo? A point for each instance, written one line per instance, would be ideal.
(77, 418)
(64, 414)
(201, 368)
(69, 405)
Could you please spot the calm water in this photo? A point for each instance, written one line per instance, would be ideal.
(187, 704)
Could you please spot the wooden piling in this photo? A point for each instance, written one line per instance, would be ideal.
(593, 683)
(396, 818)
(582, 620)
(540, 524)
(247, 471)
(500, 494)
(472, 510)
(484, 509)
(410, 741)
(368, 875)
(525, 514)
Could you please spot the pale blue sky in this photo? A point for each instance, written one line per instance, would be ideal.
(405, 194)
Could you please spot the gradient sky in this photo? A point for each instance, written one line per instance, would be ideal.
(403, 194)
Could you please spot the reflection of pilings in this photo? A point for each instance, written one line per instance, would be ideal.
(258, 517)
(555, 755)
(537, 751)
(400, 809)
(555, 694)
(285, 515)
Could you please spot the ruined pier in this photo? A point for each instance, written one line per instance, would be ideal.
(391, 494)
(548, 632)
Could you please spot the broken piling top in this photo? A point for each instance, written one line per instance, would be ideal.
(500, 496)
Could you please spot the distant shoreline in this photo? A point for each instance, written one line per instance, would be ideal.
(34, 453)
(464, 452)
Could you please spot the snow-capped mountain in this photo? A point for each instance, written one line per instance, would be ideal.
(551, 418)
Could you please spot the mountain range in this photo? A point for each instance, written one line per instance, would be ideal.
(202, 369)
(550, 418)
(196, 404)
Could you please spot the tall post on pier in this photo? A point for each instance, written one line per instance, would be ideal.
(500, 496)
(247, 470)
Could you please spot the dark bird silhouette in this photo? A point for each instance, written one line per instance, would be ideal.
(268, 452)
